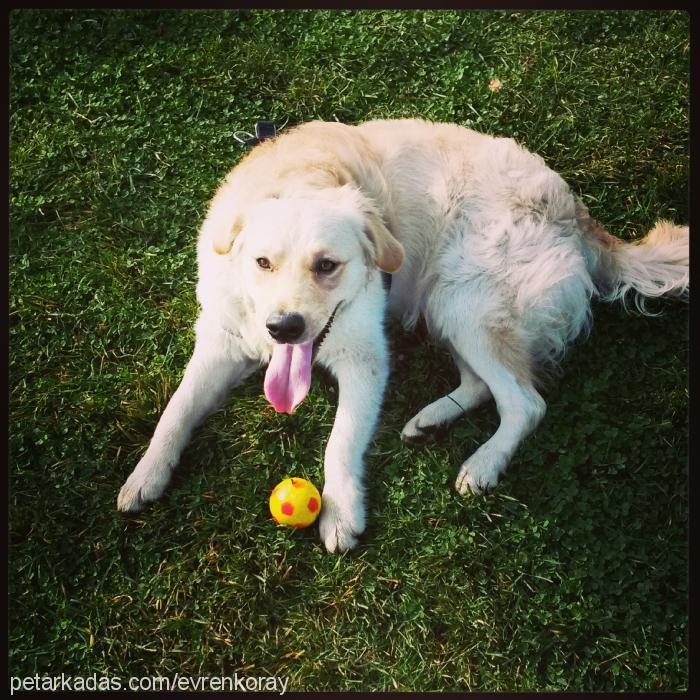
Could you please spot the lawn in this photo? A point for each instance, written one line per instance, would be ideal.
(571, 575)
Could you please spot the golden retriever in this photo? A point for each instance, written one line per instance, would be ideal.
(484, 242)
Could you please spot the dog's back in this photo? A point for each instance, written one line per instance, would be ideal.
(487, 226)
(482, 216)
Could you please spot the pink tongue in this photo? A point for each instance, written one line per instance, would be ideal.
(288, 376)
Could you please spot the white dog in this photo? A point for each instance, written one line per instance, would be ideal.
(484, 241)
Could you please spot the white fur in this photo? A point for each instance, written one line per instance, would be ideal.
(500, 258)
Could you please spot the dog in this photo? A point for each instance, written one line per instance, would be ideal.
(482, 240)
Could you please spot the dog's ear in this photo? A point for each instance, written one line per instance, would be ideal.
(224, 237)
(388, 253)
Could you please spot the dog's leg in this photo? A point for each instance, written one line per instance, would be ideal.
(361, 379)
(217, 364)
(504, 367)
(471, 392)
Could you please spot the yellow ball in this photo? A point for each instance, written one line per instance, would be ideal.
(295, 502)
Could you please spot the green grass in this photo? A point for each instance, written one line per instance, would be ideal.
(572, 575)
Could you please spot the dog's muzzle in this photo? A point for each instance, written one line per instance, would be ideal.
(286, 328)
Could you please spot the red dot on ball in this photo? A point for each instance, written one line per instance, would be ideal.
(313, 505)
(287, 508)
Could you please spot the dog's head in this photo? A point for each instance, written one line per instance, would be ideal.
(300, 257)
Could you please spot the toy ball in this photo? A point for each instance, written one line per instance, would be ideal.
(295, 502)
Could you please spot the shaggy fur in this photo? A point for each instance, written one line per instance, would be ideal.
(486, 243)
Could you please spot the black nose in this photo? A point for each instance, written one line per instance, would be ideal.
(285, 328)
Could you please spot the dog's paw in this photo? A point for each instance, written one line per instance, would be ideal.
(342, 521)
(415, 433)
(432, 421)
(145, 484)
(480, 473)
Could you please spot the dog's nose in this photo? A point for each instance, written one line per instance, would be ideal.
(286, 328)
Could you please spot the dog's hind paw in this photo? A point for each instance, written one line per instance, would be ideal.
(480, 473)
(433, 421)
(418, 434)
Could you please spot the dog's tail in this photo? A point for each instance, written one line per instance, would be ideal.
(652, 267)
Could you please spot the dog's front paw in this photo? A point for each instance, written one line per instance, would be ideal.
(145, 484)
(342, 520)
(480, 473)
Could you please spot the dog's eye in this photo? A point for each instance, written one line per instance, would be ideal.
(325, 266)
(263, 263)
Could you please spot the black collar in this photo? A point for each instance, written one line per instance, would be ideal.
(264, 130)
(322, 335)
